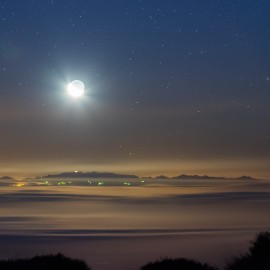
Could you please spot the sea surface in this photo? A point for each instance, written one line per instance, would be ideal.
(125, 223)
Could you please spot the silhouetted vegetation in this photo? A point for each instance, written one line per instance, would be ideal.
(177, 264)
(48, 262)
(258, 256)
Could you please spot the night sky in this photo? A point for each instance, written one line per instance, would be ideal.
(172, 87)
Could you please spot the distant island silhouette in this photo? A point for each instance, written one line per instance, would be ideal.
(89, 175)
(7, 178)
(79, 174)
(110, 175)
(184, 176)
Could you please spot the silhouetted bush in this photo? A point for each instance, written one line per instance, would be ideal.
(48, 262)
(177, 264)
(258, 257)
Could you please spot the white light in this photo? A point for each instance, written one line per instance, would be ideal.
(76, 88)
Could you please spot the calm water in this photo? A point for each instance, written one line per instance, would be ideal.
(122, 224)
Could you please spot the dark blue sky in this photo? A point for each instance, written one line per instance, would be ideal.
(172, 86)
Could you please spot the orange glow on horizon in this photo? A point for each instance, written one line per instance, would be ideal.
(220, 168)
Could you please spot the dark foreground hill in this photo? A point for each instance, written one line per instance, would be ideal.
(257, 258)
(48, 262)
(177, 264)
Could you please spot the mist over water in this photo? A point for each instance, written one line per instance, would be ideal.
(115, 226)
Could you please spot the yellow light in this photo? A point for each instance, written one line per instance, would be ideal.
(18, 185)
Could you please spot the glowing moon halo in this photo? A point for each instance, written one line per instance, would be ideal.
(76, 88)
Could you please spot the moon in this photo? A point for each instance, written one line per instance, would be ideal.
(76, 88)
